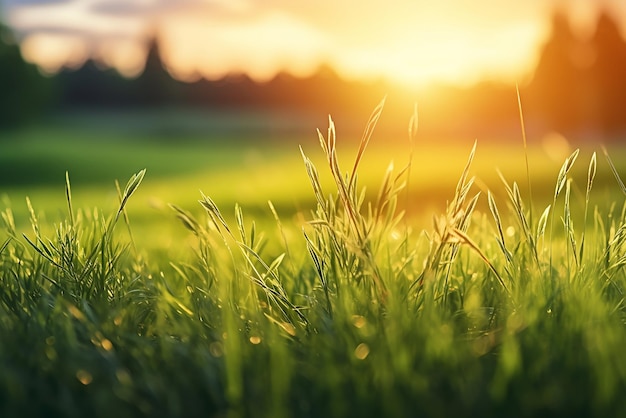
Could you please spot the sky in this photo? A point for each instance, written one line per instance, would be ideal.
(416, 42)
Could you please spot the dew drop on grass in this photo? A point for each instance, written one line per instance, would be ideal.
(84, 377)
(358, 321)
(107, 344)
(216, 349)
(289, 329)
(255, 340)
(76, 313)
(362, 351)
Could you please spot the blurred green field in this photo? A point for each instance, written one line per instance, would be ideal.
(249, 166)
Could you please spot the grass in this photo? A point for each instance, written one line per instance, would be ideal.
(352, 311)
(240, 168)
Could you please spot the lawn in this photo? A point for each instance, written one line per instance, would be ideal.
(328, 302)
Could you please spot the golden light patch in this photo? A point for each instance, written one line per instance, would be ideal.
(362, 351)
(358, 321)
(289, 329)
(84, 377)
(106, 344)
(556, 146)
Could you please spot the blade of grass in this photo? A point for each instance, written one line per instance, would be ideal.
(591, 174)
(614, 170)
(560, 183)
(131, 186)
(521, 117)
(367, 135)
(68, 197)
(125, 216)
(496, 216)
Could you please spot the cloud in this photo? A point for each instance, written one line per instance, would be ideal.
(141, 8)
(259, 45)
(122, 8)
(148, 8)
(72, 18)
(19, 3)
(8, 6)
(78, 32)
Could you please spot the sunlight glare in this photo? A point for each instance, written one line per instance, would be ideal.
(556, 146)
(455, 55)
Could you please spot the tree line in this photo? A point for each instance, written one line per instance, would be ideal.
(578, 88)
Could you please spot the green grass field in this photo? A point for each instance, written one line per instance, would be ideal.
(245, 166)
(159, 299)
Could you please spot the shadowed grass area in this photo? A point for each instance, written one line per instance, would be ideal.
(35, 157)
(501, 307)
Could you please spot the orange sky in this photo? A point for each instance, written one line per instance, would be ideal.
(412, 41)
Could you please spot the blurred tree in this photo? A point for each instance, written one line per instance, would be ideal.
(579, 85)
(557, 80)
(155, 86)
(94, 86)
(24, 91)
(609, 75)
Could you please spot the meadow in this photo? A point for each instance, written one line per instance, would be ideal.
(437, 287)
